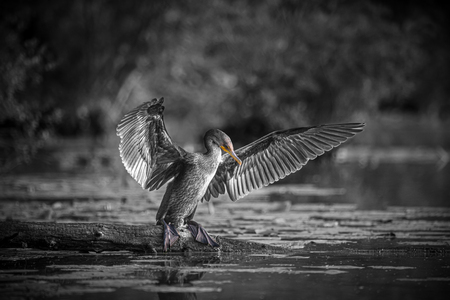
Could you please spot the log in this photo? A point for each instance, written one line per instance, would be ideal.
(99, 237)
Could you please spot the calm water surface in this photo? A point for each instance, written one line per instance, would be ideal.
(300, 275)
(330, 257)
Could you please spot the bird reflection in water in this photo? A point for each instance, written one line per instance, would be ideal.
(152, 159)
(176, 276)
(179, 278)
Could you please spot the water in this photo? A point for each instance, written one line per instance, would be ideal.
(353, 230)
(300, 275)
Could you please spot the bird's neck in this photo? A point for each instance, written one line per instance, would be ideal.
(212, 150)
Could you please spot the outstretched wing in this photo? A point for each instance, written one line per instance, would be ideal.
(275, 156)
(146, 148)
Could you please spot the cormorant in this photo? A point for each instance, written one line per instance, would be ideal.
(152, 159)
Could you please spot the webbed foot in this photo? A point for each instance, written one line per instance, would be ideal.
(170, 235)
(200, 235)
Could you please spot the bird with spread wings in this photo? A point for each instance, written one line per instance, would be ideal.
(152, 159)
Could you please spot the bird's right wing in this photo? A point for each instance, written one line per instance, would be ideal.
(275, 156)
(146, 149)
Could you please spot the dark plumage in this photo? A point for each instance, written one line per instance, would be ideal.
(152, 159)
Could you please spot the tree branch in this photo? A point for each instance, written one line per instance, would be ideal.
(100, 237)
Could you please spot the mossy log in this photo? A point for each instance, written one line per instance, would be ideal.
(100, 237)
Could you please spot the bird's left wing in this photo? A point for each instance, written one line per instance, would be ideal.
(146, 149)
(275, 156)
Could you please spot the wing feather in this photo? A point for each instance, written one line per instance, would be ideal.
(146, 148)
(275, 156)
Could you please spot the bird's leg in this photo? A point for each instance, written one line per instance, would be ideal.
(170, 235)
(200, 235)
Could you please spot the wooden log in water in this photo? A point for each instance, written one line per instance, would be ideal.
(100, 237)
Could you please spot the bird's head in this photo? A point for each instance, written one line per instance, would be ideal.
(222, 140)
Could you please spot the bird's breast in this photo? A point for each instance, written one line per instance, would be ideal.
(193, 181)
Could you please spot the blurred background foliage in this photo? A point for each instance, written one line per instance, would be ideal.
(71, 69)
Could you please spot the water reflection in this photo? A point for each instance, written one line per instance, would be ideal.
(315, 272)
(177, 278)
(174, 276)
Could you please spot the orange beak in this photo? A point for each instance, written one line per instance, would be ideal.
(232, 154)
